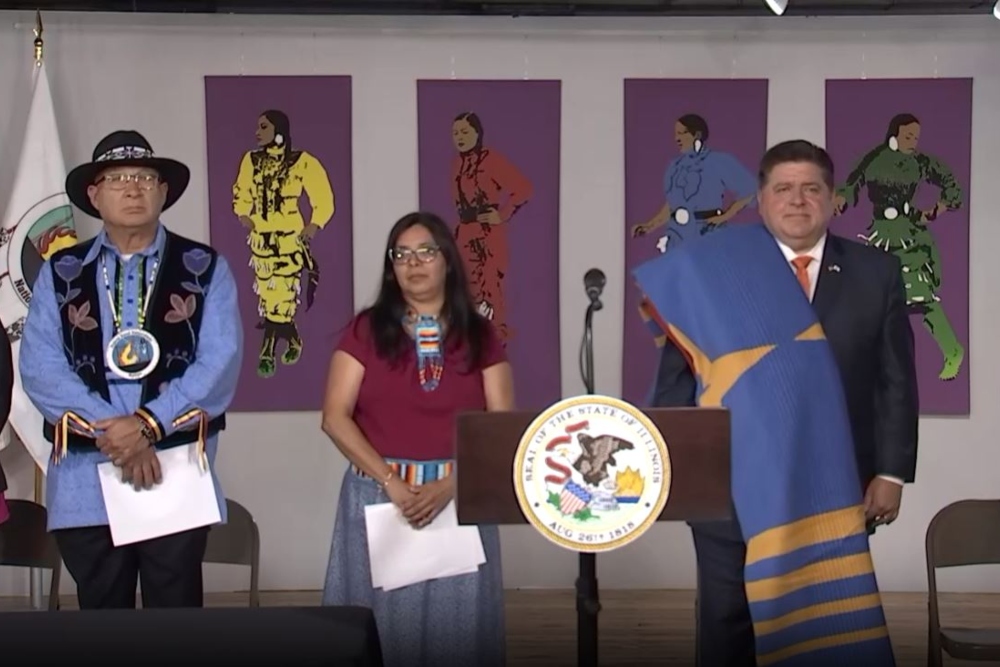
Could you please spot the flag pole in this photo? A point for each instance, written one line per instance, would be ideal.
(39, 42)
(36, 574)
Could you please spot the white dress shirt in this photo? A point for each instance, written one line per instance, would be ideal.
(816, 252)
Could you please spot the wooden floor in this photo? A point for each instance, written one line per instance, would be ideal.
(647, 627)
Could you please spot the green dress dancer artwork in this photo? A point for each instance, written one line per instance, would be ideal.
(892, 172)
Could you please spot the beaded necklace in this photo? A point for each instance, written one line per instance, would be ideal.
(428, 337)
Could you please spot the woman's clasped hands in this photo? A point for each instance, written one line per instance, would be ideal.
(420, 504)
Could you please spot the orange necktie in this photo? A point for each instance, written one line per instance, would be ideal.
(800, 264)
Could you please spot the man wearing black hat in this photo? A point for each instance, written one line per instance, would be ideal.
(132, 346)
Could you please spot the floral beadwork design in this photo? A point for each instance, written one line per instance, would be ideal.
(183, 308)
(196, 261)
(69, 269)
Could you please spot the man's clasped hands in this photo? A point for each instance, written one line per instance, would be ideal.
(122, 440)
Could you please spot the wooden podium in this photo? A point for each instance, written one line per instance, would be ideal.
(698, 444)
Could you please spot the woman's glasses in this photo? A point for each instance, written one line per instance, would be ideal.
(424, 254)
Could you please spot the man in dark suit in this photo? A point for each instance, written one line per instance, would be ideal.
(858, 295)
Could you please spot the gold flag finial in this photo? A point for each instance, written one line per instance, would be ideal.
(39, 42)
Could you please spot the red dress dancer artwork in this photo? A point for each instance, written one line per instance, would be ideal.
(487, 191)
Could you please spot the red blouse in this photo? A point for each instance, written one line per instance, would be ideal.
(398, 417)
(483, 179)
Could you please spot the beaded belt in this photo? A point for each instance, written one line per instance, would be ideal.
(415, 473)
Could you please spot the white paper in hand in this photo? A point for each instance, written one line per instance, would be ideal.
(184, 499)
(401, 555)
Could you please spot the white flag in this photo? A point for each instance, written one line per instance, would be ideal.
(37, 221)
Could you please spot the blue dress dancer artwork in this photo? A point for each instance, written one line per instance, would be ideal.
(695, 185)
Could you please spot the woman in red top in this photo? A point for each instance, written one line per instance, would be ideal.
(402, 371)
(487, 190)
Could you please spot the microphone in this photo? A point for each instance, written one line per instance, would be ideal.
(593, 282)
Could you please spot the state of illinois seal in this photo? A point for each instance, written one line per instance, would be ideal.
(592, 473)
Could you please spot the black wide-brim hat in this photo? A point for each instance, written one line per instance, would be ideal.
(125, 148)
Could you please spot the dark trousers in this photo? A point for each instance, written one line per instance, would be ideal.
(168, 567)
(724, 630)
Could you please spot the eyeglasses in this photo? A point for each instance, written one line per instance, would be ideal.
(424, 254)
(121, 181)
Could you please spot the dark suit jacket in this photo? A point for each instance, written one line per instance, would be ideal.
(862, 307)
(6, 387)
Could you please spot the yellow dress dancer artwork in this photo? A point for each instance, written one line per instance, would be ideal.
(266, 198)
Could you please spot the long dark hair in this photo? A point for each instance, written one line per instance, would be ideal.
(696, 125)
(465, 324)
(282, 128)
(897, 122)
(472, 119)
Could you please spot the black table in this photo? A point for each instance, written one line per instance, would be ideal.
(189, 637)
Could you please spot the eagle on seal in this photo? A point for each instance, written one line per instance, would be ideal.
(597, 454)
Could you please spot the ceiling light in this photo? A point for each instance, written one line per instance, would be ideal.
(779, 6)
(996, 10)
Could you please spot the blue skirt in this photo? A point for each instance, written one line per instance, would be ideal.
(452, 621)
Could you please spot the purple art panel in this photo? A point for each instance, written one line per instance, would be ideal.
(489, 165)
(279, 179)
(902, 149)
(691, 152)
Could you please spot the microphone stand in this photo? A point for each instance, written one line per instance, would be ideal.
(588, 603)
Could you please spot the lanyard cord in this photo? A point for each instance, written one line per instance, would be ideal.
(115, 300)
